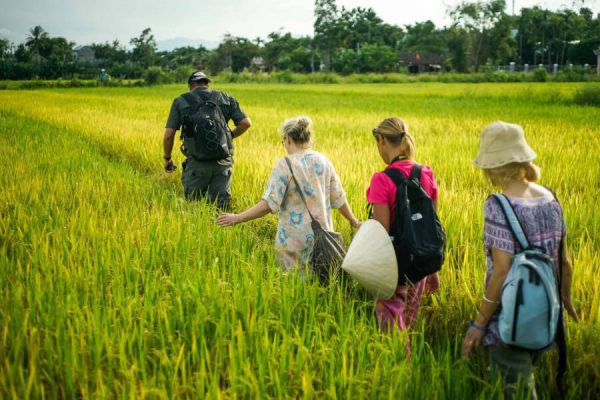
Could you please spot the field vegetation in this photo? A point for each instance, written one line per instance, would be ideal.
(114, 287)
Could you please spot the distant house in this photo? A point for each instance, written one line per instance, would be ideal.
(418, 62)
(257, 64)
(84, 54)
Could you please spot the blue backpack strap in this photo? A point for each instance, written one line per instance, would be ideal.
(512, 220)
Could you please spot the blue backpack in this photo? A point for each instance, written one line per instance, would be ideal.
(530, 297)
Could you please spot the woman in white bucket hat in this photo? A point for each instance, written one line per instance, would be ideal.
(507, 161)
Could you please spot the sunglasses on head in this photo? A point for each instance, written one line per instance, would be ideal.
(376, 134)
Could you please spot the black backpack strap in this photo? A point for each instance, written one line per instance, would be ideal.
(401, 197)
(190, 99)
(561, 337)
(415, 174)
(215, 97)
(396, 176)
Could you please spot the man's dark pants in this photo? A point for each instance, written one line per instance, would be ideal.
(207, 179)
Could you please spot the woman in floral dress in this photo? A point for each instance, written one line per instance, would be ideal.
(321, 187)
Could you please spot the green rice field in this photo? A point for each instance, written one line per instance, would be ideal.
(113, 287)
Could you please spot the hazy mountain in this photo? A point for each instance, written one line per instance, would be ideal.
(170, 44)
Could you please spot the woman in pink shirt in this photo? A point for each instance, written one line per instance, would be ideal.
(396, 147)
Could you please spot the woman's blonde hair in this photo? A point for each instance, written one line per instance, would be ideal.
(395, 131)
(501, 176)
(299, 129)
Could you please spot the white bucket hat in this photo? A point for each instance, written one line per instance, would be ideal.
(502, 143)
(371, 260)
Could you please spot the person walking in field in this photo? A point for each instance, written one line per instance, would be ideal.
(524, 218)
(203, 115)
(320, 185)
(397, 149)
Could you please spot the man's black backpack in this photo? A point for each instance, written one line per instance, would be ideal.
(417, 234)
(205, 133)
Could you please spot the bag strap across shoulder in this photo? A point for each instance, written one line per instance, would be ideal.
(561, 337)
(398, 177)
(190, 99)
(513, 221)
(415, 174)
(214, 97)
(289, 164)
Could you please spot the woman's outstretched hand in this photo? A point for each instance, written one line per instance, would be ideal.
(227, 219)
(471, 341)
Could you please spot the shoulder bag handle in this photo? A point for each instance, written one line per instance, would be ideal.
(513, 221)
(289, 164)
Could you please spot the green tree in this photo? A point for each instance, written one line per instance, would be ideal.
(233, 54)
(285, 52)
(378, 58)
(5, 48)
(347, 61)
(327, 30)
(424, 37)
(144, 48)
(35, 39)
(187, 56)
(22, 54)
(457, 41)
(109, 54)
(479, 18)
(59, 56)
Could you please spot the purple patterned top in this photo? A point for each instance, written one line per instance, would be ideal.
(543, 222)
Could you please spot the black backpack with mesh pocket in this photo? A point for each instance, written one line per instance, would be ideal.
(417, 233)
(205, 133)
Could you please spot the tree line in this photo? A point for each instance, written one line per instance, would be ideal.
(345, 41)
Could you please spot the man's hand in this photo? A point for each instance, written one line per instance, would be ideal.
(170, 166)
(168, 140)
(568, 304)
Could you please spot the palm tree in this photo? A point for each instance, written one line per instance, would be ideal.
(35, 38)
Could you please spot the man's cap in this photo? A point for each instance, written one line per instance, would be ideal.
(371, 260)
(197, 77)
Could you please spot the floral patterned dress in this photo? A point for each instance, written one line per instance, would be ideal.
(322, 190)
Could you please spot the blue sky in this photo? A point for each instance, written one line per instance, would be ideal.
(86, 21)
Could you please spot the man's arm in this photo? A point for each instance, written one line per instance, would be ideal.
(168, 141)
(241, 127)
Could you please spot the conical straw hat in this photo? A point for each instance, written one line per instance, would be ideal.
(371, 260)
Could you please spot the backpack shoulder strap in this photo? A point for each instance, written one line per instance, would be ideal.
(415, 174)
(513, 221)
(221, 98)
(190, 98)
(215, 97)
(561, 337)
(396, 176)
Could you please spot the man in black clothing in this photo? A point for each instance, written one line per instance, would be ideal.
(204, 176)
